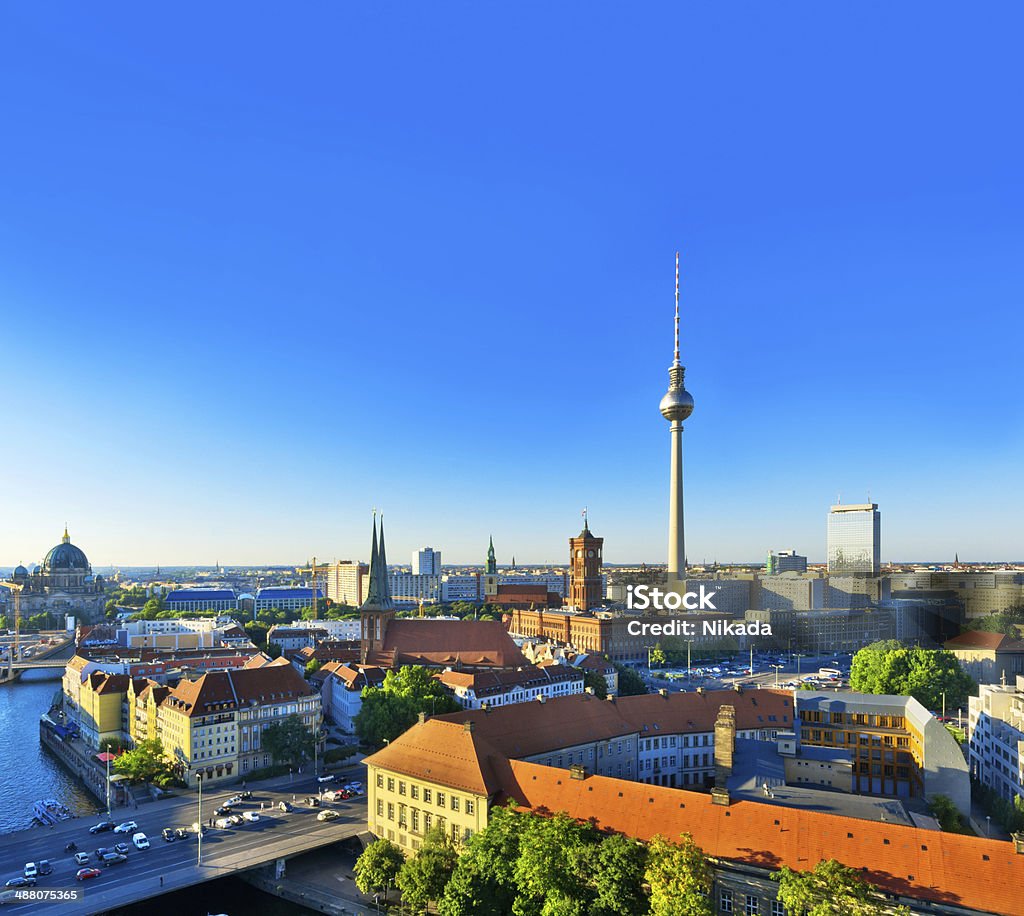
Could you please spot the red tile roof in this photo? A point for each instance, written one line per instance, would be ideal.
(980, 639)
(218, 691)
(966, 871)
(474, 643)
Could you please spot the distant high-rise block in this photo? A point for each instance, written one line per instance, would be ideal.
(855, 540)
(780, 561)
(426, 562)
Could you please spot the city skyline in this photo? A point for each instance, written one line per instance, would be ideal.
(243, 306)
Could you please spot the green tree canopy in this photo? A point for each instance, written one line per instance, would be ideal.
(288, 741)
(925, 674)
(146, 762)
(630, 683)
(680, 877)
(551, 873)
(378, 867)
(831, 889)
(423, 877)
(595, 680)
(617, 877)
(313, 666)
(390, 709)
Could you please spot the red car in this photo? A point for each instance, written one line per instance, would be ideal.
(84, 874)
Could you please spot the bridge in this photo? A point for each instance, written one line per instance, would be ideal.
(54, 656)
(166, 867)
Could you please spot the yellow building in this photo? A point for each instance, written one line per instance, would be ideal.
(439, 774)
(102, 707)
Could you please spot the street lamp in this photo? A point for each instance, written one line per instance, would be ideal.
(988, 825)
(689, 672)
(199, 825)
(107, 755)
(777, 668)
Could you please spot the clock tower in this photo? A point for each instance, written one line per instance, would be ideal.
(585, 559)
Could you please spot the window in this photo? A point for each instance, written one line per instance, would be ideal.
(455, 803)
(401, 787)
(414, 791)
(391, 784)
(725, 901)
(753, 905)
(778, 909)
(469, 806)
(380, 807)
(428, 795)
(391, 811)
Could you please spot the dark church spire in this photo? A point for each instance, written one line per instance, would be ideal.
(378, 596)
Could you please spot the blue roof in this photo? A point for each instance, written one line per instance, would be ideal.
(286, 591)
(200, 594)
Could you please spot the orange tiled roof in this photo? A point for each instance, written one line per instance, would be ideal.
(949, 868)
(525, 729)
(980, 639)
(451, 642)
(223, 690)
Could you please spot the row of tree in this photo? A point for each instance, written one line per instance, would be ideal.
(390, 709)
(528, 865)
(924, 674)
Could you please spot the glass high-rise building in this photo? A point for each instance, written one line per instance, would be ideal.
(854, 540)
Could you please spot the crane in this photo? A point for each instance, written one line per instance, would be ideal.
(15, 588)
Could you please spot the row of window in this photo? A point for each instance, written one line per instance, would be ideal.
(413, 819)
(730, 901)
(443, 799)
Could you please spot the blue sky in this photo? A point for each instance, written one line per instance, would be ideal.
(263, 269)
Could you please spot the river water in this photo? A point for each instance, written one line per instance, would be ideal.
(27, 772)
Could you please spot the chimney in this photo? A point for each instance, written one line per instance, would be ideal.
(610, 698)
(720, 796)
(725, 744)
(468, 726)
(663, 691)
(541, 698)
(422, 717)
(577, 771)
(589, 690)
(1018, 843)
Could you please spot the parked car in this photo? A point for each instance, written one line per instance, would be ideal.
(81, 858)
(236, 820)
(328, 778)
(141, 841)
(234, 800)
(167, 834)
(251, 816)
(102, 826)
(84, 874)
(284, 806)
(31, 870)
(312, 801)
(223, 811)
(328, 815)
(245, 796)
(21, 881)
(223, 823)
(126, 827)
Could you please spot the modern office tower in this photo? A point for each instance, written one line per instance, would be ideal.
(780, 561)
(676, 406)
(854, 540)
(426, 562)
(347, 582)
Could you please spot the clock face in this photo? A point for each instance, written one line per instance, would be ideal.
(590, 553)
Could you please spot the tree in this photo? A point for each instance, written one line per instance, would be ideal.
(423, 878)
(146, 762)
(618, 876)
(273, 650)
(483, 882)
(312, 666)
(551, 871)
(390, 709)
(946, 813)
(924, 674)
(680, 877)
(630, 683)
(657, 656)
(595, 680)
(831, 889)
(378, 867)
(288, 741)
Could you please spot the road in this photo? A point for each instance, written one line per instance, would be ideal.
(277, 834)
(764, 675)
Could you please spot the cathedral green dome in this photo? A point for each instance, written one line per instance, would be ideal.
(65, 556)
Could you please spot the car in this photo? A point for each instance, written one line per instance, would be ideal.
(141, 841)
(284, 806)
(328, 815)
(84, 874)
(168, 835)
(199, 829)
(113, 858)
(126, 827)
(328, 778)
(236, 820)
(21, 881)
(223, 823)
(102, 827)
(251, 816)
(234, 800)
(354, 786)
(81, 858)
(122, 848)
(45, 868)
(31, 870)
(181, 833)
(312, 801)
(105, 851)
(245, 796)
(223, 811)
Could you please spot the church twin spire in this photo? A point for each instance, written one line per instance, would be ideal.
(378, 595)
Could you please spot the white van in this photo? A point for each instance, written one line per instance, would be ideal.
(141, 841)
(223, 823)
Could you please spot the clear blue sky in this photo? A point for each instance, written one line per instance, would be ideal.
(265, 267)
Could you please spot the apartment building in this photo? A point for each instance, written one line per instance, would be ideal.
(996, 737)
(474, 690)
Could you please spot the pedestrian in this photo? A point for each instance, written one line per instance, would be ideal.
(161, 880)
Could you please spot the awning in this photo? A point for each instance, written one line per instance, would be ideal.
(105, 756)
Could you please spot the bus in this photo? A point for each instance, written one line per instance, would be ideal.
(832, 674)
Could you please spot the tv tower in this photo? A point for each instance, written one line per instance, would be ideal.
(675, 407)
